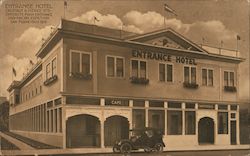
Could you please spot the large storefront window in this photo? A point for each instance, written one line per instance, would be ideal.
(156, 119)
(174, 122)
(139, 69)
(222, 123)
(138, 118)
(190, 122)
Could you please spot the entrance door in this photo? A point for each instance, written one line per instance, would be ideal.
(233, 132)
(115, 129)
(206, 131)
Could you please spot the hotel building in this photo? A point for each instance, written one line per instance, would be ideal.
(92, 84)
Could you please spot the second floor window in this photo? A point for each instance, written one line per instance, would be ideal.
(165, 72)
(139, 69)
(53, 63)
(207, 77)
(115, 66)
(80, 62)
(190, 75)
(48, 71)
(229, 78)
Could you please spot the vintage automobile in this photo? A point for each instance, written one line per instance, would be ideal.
(149, 139)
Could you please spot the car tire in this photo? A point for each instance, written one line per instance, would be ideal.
(159, 147)
(125, 148)
(116, 149)
(147, 150)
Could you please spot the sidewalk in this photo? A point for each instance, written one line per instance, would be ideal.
(109, 150)
(19, 144)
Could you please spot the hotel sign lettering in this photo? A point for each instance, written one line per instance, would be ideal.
(159, 56)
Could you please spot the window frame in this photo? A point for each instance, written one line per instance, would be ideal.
(139, 68)
(221, 131)
(51, 68)
(207, 76)
(54, 59)
(190, 76)
(80, 64)
(166, 73)
(115, 66)
(229, 77)
(48, 74)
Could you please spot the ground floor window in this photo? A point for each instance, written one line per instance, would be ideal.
(190, 122)
(156, 119)
(174, 122)
(138, 118)
(222, 123)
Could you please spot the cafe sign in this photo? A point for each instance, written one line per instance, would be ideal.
(160, 56)
(116, 102)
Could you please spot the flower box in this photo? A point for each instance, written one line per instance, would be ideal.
(81, 76)
(230, 88)
(137, 80)
(50, 80)
(190, 85)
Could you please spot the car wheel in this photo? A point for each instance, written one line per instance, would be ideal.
(158, 147)
(116, 149)
(147, 149)
(126, 148)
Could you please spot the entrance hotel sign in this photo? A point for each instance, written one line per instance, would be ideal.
(159, 56)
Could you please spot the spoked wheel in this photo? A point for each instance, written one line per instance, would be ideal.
(116, 149)
(126, 148)
(158, 147)
(147, 149)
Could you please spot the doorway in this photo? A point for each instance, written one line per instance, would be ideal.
(206, 131)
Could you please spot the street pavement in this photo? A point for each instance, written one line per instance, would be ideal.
(183, 153)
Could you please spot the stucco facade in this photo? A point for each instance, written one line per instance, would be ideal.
(114, 80)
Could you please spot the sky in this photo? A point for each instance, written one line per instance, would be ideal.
(213, 20)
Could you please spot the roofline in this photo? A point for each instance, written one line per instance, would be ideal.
(59, 30)
(26, 77)
(171, 30)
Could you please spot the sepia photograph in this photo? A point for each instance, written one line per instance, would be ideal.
(125, 77)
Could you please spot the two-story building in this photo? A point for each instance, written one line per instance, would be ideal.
(92, 84)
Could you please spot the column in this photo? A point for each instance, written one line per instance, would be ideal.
(102, 133)
(64, 121)
(102, 102)
(131, 114)
(183, 117)
(166, 117)
(238, 125)
(146, 113)
(216, 125)
(196, 120)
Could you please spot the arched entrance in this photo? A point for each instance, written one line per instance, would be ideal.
(83, 131)
(206, 131)
(115, 128)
